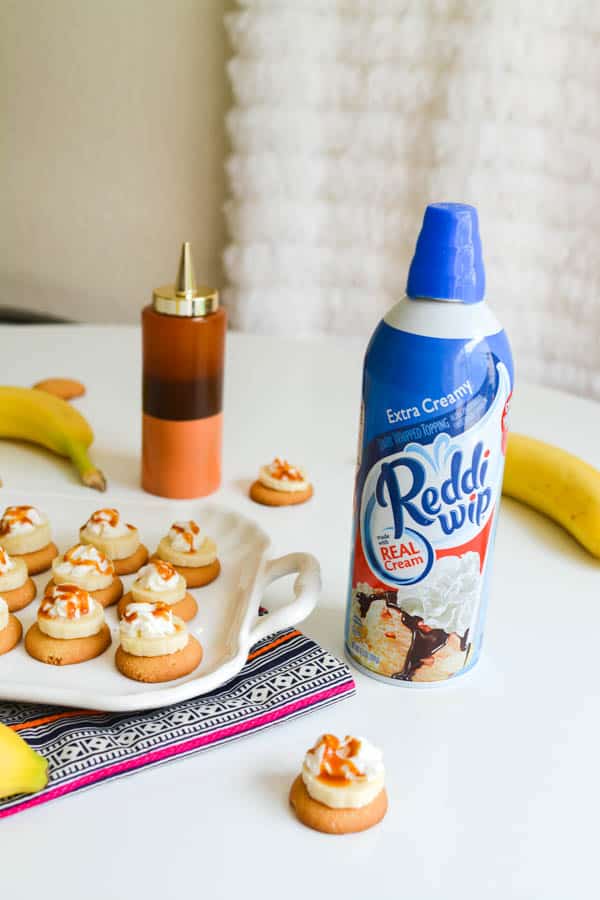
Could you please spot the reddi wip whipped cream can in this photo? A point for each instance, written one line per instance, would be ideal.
(437, 383)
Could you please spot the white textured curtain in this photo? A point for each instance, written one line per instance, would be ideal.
(350, 116)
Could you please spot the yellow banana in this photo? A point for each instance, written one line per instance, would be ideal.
(32, 415)
(22, 770)
(556, 483)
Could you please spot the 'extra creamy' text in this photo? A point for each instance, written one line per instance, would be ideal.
(430, 405)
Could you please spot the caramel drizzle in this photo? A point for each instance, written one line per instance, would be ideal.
(107, 516)
(76, 600)
(160, 610)
(92, 563)
(13, 515)
(336, 762)
(282, 470)
(164, 569)
(188, 536)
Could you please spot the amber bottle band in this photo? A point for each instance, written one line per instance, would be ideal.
(182, 401)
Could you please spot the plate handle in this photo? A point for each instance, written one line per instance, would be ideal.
(307, 588)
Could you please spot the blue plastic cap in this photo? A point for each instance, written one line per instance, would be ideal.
(447, 264)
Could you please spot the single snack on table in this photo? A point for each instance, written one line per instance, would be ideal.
(25, 534)
(17, 588)
(556, 483)
(159, 581)
(70, 627)
(155, 645)
(281, 484)
(190, 553)
(341, 786)
(106, 531)
(10, 628)
(65, 388)
(90, 569)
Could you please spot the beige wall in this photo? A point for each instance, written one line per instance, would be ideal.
(111, 150)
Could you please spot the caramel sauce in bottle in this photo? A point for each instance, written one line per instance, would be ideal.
(183, 344)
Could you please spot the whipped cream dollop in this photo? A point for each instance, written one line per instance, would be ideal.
(7, 564)
(280, 475)
(448, 597)
(21, 519)
(185, 536)
(353, 758)
(106, 523)
(81, 560)
(157, 576)
(66, 601)
(3, 613)
(147, 620)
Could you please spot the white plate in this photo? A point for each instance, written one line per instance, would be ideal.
(226, 625)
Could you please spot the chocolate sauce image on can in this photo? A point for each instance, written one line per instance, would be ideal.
(437, 384)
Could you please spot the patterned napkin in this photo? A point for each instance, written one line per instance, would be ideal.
(286, 675)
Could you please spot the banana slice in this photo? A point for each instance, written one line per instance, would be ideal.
(85, 566)
(156, 646)
(3, 613)
(204, 556)
(151, 629)
(115, 547)
(13, 574)
(24, 529)
(174, 595)
(349, 794)
(69, 612)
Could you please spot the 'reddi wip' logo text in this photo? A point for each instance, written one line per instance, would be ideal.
(460, 497)
(432, 498)
(428, 498)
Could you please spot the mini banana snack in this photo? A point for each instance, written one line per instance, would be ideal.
(70, 627)
(340, 789)
(25, 535)
(155, 645)
(115, 538)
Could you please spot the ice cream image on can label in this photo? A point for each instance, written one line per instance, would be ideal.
(437, 385)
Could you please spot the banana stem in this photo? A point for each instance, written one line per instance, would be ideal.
(89, 474)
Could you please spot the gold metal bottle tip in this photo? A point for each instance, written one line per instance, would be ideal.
(185, 285)
(185, 297)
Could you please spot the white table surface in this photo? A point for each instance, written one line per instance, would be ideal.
(491, 780)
